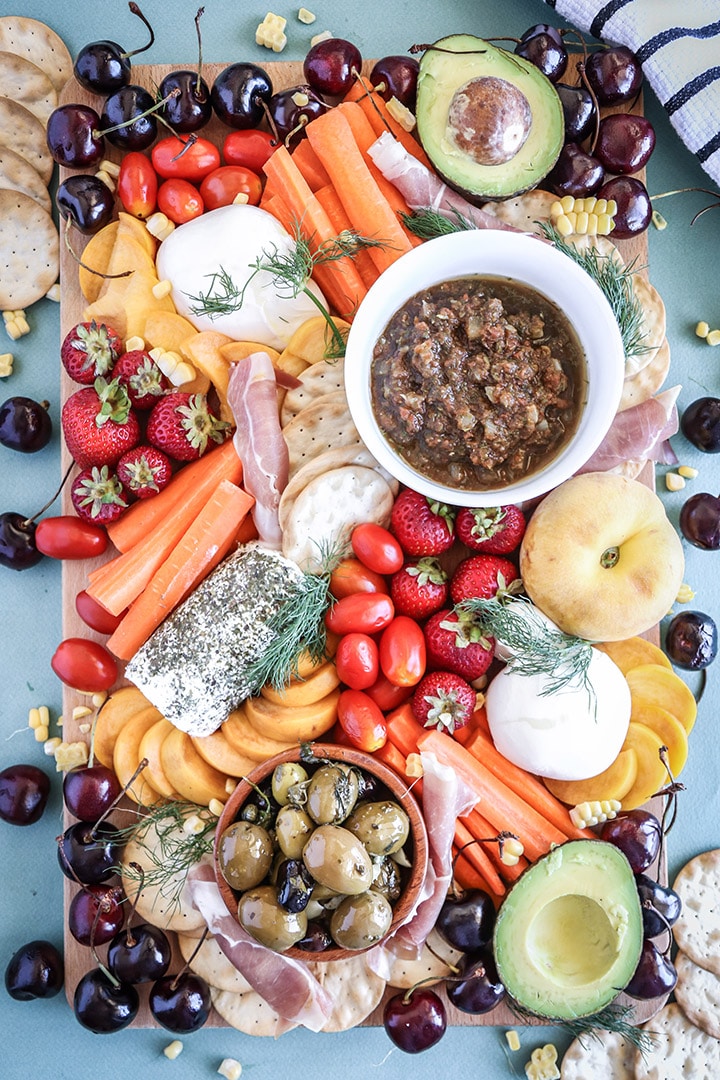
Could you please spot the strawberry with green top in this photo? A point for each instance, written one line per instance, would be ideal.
(144, 471)
(493, 530)
(99, 424)
(182, 425)
(422, 526)
(444, 700)
(98, 495)
(419, 588)
(142, 378)
(455, 641)
(89, 351)
(483, 577)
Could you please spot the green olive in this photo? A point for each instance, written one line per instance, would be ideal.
(337, 859)
(293, 827)
(383, 827)
(331, 794)
(360, 921)
(285, 777)
(386, 878)
(245, 854)
(264, 919)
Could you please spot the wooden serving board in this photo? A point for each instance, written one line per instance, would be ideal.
(283, 75)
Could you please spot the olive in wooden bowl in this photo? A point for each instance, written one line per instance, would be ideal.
(321, 852)
(484, 368)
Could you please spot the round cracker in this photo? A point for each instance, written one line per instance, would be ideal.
(249, 1013)
(21, 131)
(698, 993)
(29, 250)
(324, 377)
(25, 82)
(646, 382)
(17, 174)
(319, 426)
(653, 324)
(679, 1050)
(355, 990)
(523, 211)
(328, 509)
(604, 1055)
(212, 965)
(697, 930)
(164, 899)
(324, 462)
(433, 964)
(38, 43)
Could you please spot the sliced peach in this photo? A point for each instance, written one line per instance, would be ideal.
(246, 740)
(126, 757)
(305, 691)
(217, 751)
(613, 783)
(651, 773)
(95, 257)
(652, 684)
(122, 704)
(150, 745)
(632, 652)
(668, 728)
(296, 723)
(189, 774)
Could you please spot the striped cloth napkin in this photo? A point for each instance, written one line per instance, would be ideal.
(678, 44)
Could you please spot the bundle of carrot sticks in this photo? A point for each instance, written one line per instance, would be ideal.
(329, 185)
(509, 799)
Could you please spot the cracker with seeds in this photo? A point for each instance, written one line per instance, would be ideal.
(37, 42)
(355, 990)
(697, 930)
(17, 174)
(697, 992)
(317, 380)
(646, 382)
(249, 1013)
(212, 965)
(21, 131)
(323, 425)
(434, 963)
(324, 462)
(23, 81)
(678, 1049)
(29, 250)
(601, 1055)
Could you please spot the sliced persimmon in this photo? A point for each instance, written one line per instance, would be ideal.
(633, 652)
(613, 783)
(669, 729)
(651, 772)
(652, 684)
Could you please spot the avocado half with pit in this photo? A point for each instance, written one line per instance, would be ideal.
(491, 123)
(569, 934)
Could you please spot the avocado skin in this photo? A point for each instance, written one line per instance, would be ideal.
(448, 65)
(569, 934)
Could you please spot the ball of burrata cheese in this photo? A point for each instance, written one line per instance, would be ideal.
(214, 258)
(569, 734)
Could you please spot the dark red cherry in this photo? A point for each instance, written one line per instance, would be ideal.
(634, 209)
(575, 172)
(396, 76)
(86, 202)
(191, 108)
(415, 1020)
(624, 143)
(36, 970)
(181, 1003)
(90, 790)
(331, 66)
(104, 66)
(104, 1006)
(240, 95)
(615, 74)
(546, 53)
(25, 424)
(24, 791)
(292, 110)
(578, 109)
(96, 913)
(139, 954)
(73, 136)
(17, 542)
(127, 121)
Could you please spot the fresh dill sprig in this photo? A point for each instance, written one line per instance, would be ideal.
(297, 627)
(290, 273)
(615, 280)
(427, 223)
(171, 851)
(615, 1017)
(535, 648)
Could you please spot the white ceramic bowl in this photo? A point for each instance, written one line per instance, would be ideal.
(523, 258)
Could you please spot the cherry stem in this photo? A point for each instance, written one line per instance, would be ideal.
(137, 869)
(269, 118)
(29, 521)
(191, 957)
(126, 123)
(200, 13)
(428, 980)
(670, 792)
(78, 259)
(586, 83)
(114, 803)
(136, 11)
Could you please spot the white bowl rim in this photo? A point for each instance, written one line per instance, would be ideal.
(498, 253)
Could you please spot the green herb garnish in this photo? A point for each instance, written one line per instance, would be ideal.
(428, 224)
(614, 1017)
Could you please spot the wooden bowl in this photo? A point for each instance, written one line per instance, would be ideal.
(416, 847)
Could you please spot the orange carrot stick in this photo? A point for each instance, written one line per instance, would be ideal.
(310, 165)
(524, 784)
(206, 542)
(392, 757)
(330, 202)
(219, 463)
(369, 211)
(467, 877)
(376, 110)
(404, 730)
(502, 807)
(477, 857)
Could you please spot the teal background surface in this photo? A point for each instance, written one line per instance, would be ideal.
(43, 1038)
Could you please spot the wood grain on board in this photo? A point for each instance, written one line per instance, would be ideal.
(78, 959)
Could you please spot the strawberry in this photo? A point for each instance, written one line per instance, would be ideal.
(444, 700)
(89, 351)
(142, 378)
(422, 526)
(181, 425)
(419, 589)
(99, 424)
(493, 530)
(144, 471)
(98, 495)
(483, 576)
(456, 642)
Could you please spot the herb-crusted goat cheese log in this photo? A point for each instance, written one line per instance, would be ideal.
(193, 668)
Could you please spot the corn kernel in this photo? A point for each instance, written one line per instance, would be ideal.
(42, 733)
(401, 113)
(511, 850)
(306, 16)
(60, 720)
(230, 1068)
(271, 32)
(702, 329)
(581, 221)
(300, 98)
(193, 825)
(563, 225)
(230, 785)
(133, 343)
(687, 471)
(413, 766)
(324, 35)
(51, 745)
(513, 1039)
(159, 225)
(674, 482)
(686, 594)
(98, 698)
(8, 315)
(44, 713)
(81, 711)
(543, 1064)
(163, 288)
(110, 167)
(605, 224)
(216, 807)
(658, 220)
(713, 337)
(22, 324)
(587, 814)
(241, 198)
(600, 206)
(85, 729)
(173, 1050)
(34, 720)
(567, 203)
(12, 330)
(106, 179)
(70, 756)
(53, 293)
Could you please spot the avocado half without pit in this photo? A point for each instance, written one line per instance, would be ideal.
(568, 936)
(491, 123)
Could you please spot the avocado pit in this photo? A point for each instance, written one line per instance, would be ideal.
(489, 120)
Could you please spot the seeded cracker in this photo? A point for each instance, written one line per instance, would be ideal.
(17, 174)
(698, 994)
(29, 251)
(249, 1013)
(697, 931)
(679, 1050)
(211, 964)
(604, 1055)
(22, 132)
(25, 82)
(353, 987)
(193, 667)
(38, 43)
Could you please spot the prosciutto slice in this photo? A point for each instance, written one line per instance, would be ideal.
(286, 984)
(258, 439)
(640, 433)
(422, 189)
